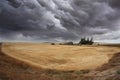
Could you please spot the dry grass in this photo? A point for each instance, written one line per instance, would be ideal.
(60, 57)
(15, 65)
(12, 69)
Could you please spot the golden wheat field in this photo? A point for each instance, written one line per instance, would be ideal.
(60, 57)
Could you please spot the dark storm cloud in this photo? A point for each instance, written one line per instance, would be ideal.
(14, 3)
(115, 3)
(58, 20)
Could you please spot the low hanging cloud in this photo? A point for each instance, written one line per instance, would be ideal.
(58, 20)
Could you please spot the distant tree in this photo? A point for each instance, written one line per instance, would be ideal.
(0, 43)
(82, 41)
(85, 41)
(91, 41)
(52, 43)
(60, 44)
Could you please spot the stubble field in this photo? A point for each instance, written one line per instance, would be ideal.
(60, 57)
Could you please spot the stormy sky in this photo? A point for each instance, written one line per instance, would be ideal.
(59, 20)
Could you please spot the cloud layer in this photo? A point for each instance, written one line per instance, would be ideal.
(59, 20)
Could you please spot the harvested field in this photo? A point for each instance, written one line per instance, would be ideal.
(15, 65)
(60, 57)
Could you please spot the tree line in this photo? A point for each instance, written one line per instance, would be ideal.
(86, 41)
(83, 41)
